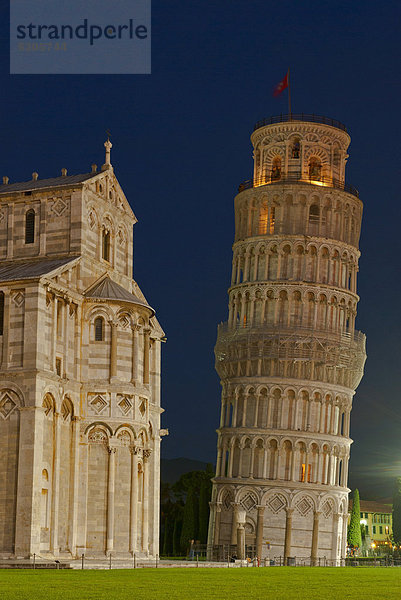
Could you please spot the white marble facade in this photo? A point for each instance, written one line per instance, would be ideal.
(289, 357)
(80, 373)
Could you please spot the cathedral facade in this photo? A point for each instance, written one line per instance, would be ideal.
(289, 357)
(80, 373)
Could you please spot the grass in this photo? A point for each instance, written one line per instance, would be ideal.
(289, 583)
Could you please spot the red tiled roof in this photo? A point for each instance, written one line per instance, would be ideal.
(371, 506)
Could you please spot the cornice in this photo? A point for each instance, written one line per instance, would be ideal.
(285, 187)
(288, 128)
(304, 286)
(282, 238)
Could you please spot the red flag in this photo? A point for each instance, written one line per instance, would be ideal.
(280, 87)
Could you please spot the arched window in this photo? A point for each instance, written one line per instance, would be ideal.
(272, 219)
(1, 313)
(314, 213)
(44, 509)
(314, 218)
(315, 169)
(106, 245)
(99, 329)
(30, 227)
(336, 157)
(276, 169)
(295, 150)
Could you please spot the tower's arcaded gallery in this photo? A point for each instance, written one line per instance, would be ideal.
(289, 357)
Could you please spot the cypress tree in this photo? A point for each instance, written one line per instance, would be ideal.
(204, 497)
(166, 537)
(176, 536)
(354, 536)
(189, 522)
(397, 511)
(205, 494)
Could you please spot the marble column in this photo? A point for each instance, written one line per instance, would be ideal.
(145, 502)
(252, 462)
(230, 461)
(329, 469)
(66, 309)
(10, 229)
(345, 470)
(211, 529)
(223, 463)
(244, 411)
(55, 488)
(77, 341)
(334, 542)
(319, 474)
(6, 330)
(269, 410)
(240, 541)
(238, 274)
(234, 416)
(343, 548)
(72, 535)
(134, 500)
(146, 347)
(259, 531)
(223, 413)
(216, 537)
(28, 509)
(278, 464)
(322, 415)
(42, 227)
(218, 462)
(234, 526)
(246, 274)
(287, 540)
(54, 332)
(134, 373)
(295, 465)
(113, 350)
(265, 463)
(315, 538)
(110, 500)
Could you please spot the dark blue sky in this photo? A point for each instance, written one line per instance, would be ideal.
(181, 146)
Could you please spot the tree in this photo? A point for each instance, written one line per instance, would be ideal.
(166, 537)
(176, 536)
(397, 512)
(354, 537)
(190, 519)
(185, 511)
(205, 494)
(167, 505)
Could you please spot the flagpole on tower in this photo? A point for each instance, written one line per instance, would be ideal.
(289, 93)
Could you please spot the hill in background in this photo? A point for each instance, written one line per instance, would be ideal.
(172, 468)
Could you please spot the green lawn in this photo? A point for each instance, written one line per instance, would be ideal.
(277, 583)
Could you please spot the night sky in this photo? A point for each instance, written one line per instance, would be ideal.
(181, 147)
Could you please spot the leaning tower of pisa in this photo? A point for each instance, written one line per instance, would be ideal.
(289, 357)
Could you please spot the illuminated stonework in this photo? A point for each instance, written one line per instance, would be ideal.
(79, 374)
(289, 357)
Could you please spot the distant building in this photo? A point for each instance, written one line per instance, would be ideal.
(377, 517)
(80, 373)
(289, 357)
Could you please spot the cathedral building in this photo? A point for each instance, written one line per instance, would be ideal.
(79, 373)
(289, 357)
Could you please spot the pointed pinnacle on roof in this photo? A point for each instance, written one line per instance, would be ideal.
(108, 145)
